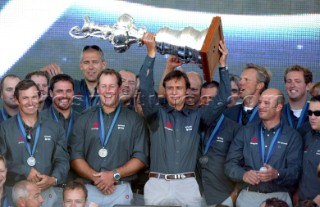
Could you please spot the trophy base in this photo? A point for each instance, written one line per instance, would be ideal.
(209, 52)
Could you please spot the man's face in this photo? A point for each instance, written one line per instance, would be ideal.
(91, 64)
(74, 198)
(267, 106)
(28, 101)
(3, 173)
(7, 96)
(109, 90)
(42, 83)
(207, 94)
(62, 95)
(128, 85)
(34, 199)
(193, 93)
(248, 84)
(234, 94)
(175, 92)
(296, 87)
(314, 120)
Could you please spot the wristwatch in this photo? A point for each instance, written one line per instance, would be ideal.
(116, 175)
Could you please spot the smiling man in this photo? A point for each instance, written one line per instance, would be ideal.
(298, 80)
(38, 142)
(108, 145)
(174, 131)
(265, 157)
(62, 93)
(253, 81)
(41, 78)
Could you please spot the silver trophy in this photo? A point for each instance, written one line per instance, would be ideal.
(189, 44)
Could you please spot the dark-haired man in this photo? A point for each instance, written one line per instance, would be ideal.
(34, 147)
(7, 85)
(75, 194)
(108, 145)
(41, 78)
(209, 90)
(309, 187)
(129, 85)
(62, 93)
(174, 132)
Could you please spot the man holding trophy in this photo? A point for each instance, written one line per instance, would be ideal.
(174, 131)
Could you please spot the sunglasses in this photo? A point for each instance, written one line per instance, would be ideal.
(316, 113)
(94, 47)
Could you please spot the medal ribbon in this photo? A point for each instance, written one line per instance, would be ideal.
(272, 145)
(301, 118)
(87, 99)
(4, 114)
(101, 125)
(54, 116)
(213, 135)
(23, 134)
(252, 116)
(5, 202)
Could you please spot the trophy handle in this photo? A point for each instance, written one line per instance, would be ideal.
(209, 52)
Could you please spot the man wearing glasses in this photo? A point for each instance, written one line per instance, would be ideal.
(309, 188)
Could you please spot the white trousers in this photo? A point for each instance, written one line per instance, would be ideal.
(184, 192)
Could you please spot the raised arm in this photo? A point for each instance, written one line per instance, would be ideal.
(149, 99)
(215, 108)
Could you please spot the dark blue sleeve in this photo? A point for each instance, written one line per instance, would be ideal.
(214, 109)
(149, 99)
(289, 176)
(233, 168)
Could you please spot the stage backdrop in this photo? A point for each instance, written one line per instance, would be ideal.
(275, 34)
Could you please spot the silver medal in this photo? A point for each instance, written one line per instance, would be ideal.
(31, 161)
(103, 152)
(203, 160)
(263, 169)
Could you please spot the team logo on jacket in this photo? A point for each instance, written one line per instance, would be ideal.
(168, 126)
(220, 139)
(254, 141)
(47, 137)
(20, 140)
(95, 126)
(188, 128)
(121, 126)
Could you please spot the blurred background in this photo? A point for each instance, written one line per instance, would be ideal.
(275, 34)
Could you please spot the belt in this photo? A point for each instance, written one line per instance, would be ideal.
(171, 176)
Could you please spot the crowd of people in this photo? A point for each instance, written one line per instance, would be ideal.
(111, 139)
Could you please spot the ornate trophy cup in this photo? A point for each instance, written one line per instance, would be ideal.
(189, 44)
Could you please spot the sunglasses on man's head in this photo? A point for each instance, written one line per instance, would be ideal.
(316, 113)
(94, 47)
